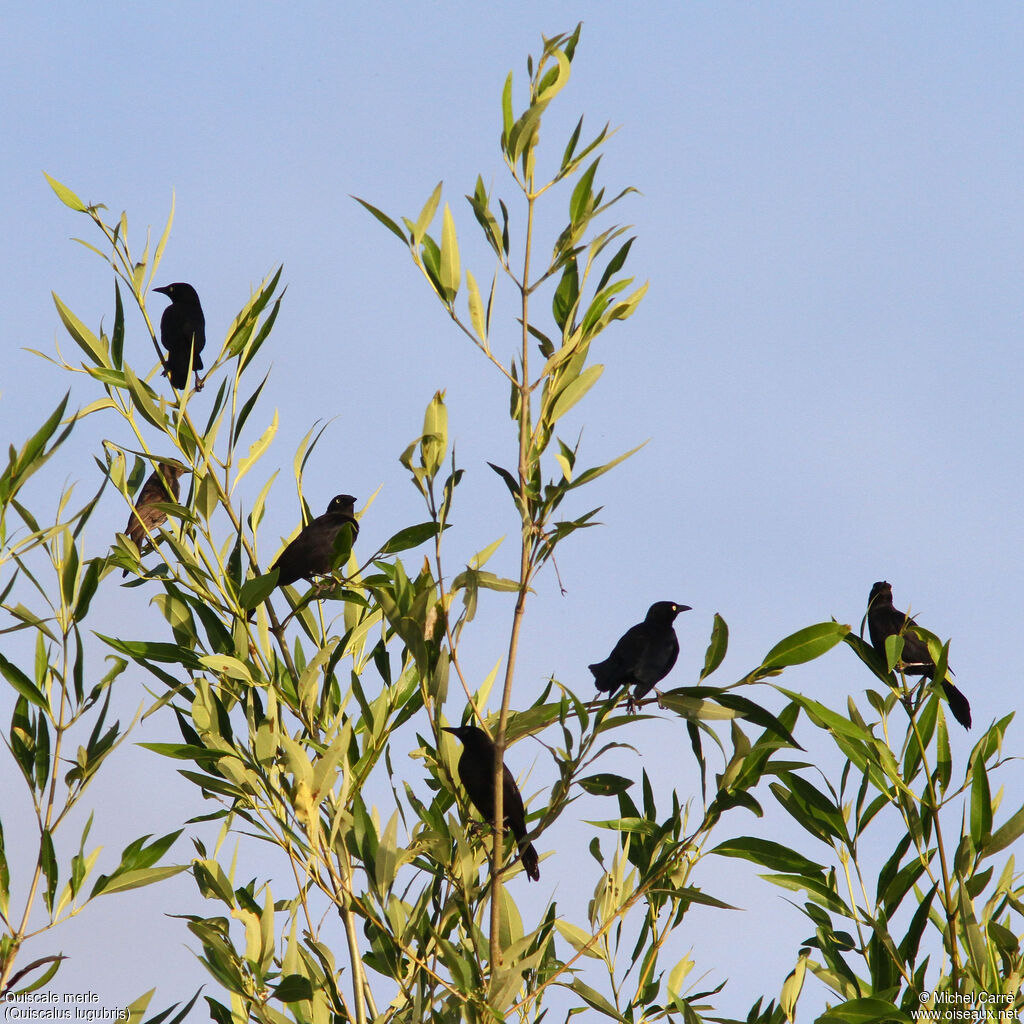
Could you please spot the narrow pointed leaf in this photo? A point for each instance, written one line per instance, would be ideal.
(806, 644)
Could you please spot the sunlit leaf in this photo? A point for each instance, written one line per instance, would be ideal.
(805, 644)
(65, 195)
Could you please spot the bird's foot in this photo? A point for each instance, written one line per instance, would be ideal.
(478, 829)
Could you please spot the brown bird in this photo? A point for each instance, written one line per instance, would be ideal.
(476, 773)
(146, 516)
(885, 621)
(312, 553)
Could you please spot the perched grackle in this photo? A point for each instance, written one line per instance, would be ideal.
(182, 333)
(884, 621)
(644, 654)
(476, 773)
(312, 552)
(147, 517)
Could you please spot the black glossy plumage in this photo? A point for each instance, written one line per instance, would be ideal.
(644, 654)
(476, 773)
(182, 333)
(884, 621)
(147, 517)
(312, 552)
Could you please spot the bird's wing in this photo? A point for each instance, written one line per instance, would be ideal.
(619, 667)
(659, 655)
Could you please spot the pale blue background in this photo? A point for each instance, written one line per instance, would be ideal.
(831, 209)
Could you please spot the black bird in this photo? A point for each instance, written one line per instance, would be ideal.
(644, 654)
(476, 773)
(884, 621)
(147, 517)
(182, 333)
(312, 552)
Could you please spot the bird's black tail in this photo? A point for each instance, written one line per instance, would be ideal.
(177, 370)
(958, 704)
(531, 862)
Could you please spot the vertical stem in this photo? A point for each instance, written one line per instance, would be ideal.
(948, 903)
(358, 980)
(498, 844)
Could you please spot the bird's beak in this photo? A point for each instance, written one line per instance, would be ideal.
(683, 608)
(163, 291)
(448, 728)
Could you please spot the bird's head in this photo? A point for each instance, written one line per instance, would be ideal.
(881, 593)
(665, 611)
(342, 503)
(179, 292)
(469, 734)
(173, 470)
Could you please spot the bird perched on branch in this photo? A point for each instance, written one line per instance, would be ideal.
(161, 487)
(182, 333)
(312, 553)
(885, 621)
(644, 654)
(476, 773)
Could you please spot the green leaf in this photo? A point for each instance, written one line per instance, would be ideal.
(84, 338)
(476, 308)
(604, 784)
(506, 109)
(410, 537)
(691, 707)
(1006, 834)
(226, 665)
(255, 591)
(426, 215)
(866, 1010)
(792, 987)
(5, 877)
(65, 195)
(294, 988)
(138, 878)
(770, 855)
(581, 202)
(592, 474)
(162, 244)
(384, 219)
(594, 998)
(677, 976)
(717, 646)
(386, 861)
(48, 863)
(489, 581)
(23, 685)
(555, 80)
(563, 303)
(580, 940)
(143, 396)
(247, 408)
(570, 146)
(256, 450)
(981, 802)
(805, 644)
(449, 271)
(510, 481)
(571, 394)
(434, 441)
(117, 335)
(615, 264)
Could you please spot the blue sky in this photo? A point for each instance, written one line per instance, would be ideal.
(827, 364)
